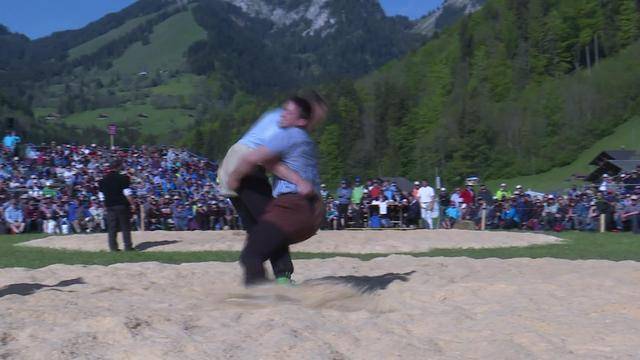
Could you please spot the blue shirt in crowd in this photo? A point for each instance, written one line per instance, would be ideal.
(266, 127)
(13, 214)
(344, 195)
(10, 141)
(298, 152)
(453, 212)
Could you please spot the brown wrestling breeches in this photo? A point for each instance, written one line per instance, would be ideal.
(288, 219)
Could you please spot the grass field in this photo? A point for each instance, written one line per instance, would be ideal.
(578, 246)
(168, 43)
(626, 135)
(93, 45)
(159, 122)
(181, 85)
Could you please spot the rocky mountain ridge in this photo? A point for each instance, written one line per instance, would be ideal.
(446, 14)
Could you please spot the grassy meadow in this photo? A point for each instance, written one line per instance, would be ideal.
(577, 246)
(626, 136)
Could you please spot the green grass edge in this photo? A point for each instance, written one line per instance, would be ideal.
(576, 246)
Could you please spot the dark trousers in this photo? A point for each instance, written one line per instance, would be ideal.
(254, 196)
(287, 220)
(118, 218)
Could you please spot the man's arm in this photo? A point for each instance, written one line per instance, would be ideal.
(284, 172)
(260, 156)
(270, 160)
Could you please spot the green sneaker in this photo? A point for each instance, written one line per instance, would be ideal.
(285, 280)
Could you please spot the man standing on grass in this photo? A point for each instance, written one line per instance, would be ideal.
(293, 215)
(114, 186)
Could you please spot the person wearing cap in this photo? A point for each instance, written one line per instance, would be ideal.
(324, 193)
(343, 193)
(468, 195)
(118, 205)
(485, 194)
(357, 193)
(416, 188)
(503, 193)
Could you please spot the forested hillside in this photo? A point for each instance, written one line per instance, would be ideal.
(125, 68)
(517, 88)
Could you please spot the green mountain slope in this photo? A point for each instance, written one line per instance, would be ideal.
(166, 48)
(517, 88)
(94, 44)
(625, 136)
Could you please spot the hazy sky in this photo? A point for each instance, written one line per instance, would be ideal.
(37, 18)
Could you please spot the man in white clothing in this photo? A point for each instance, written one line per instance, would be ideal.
(427, 197)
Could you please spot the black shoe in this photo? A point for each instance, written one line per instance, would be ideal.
(130, 249)
(115, 250)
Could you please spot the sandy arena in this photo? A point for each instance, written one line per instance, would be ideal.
(342, 308)
(394, 307)
(369, 241)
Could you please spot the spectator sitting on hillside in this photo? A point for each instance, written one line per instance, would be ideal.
(331, 216)
(510, 216)
(14, 217)
(632, 214)
(383, 205)
(503, 193)
(456, 198)
(452, 215)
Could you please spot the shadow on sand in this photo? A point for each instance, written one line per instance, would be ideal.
(151, 244)
(364, 284)
(25, 289)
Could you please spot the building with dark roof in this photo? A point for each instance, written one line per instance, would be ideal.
(614, 162)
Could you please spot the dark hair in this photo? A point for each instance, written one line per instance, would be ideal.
(316, 98)
(303, 105)
(116, 164)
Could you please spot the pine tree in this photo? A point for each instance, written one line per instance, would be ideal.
(331, 166)
(628, 20)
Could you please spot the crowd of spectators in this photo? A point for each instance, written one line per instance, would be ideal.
(53, 188)
(613, 204)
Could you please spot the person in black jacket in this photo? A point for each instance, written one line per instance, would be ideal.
(113, 187)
